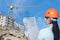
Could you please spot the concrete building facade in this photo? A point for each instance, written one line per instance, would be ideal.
(17, 31)
(3, 20)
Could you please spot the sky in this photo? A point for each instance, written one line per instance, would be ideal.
(38, 12)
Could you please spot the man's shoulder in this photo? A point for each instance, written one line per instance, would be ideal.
(43, 30)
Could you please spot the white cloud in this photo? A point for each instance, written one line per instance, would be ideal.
(31, 26)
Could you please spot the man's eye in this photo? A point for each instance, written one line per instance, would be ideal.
(46, 17)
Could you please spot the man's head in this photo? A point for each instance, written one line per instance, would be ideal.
(51, 15)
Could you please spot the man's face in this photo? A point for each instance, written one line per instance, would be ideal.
(48, 20)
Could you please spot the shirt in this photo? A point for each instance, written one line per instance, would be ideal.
(46, 33)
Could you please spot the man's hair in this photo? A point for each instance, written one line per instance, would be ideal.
(55, 30)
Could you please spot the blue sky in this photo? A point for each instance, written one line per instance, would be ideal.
(19, 14)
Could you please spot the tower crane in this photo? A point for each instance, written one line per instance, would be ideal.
(11, 12)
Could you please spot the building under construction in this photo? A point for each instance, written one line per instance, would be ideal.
(9, 29)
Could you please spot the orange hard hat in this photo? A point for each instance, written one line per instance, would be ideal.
(51, 12)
